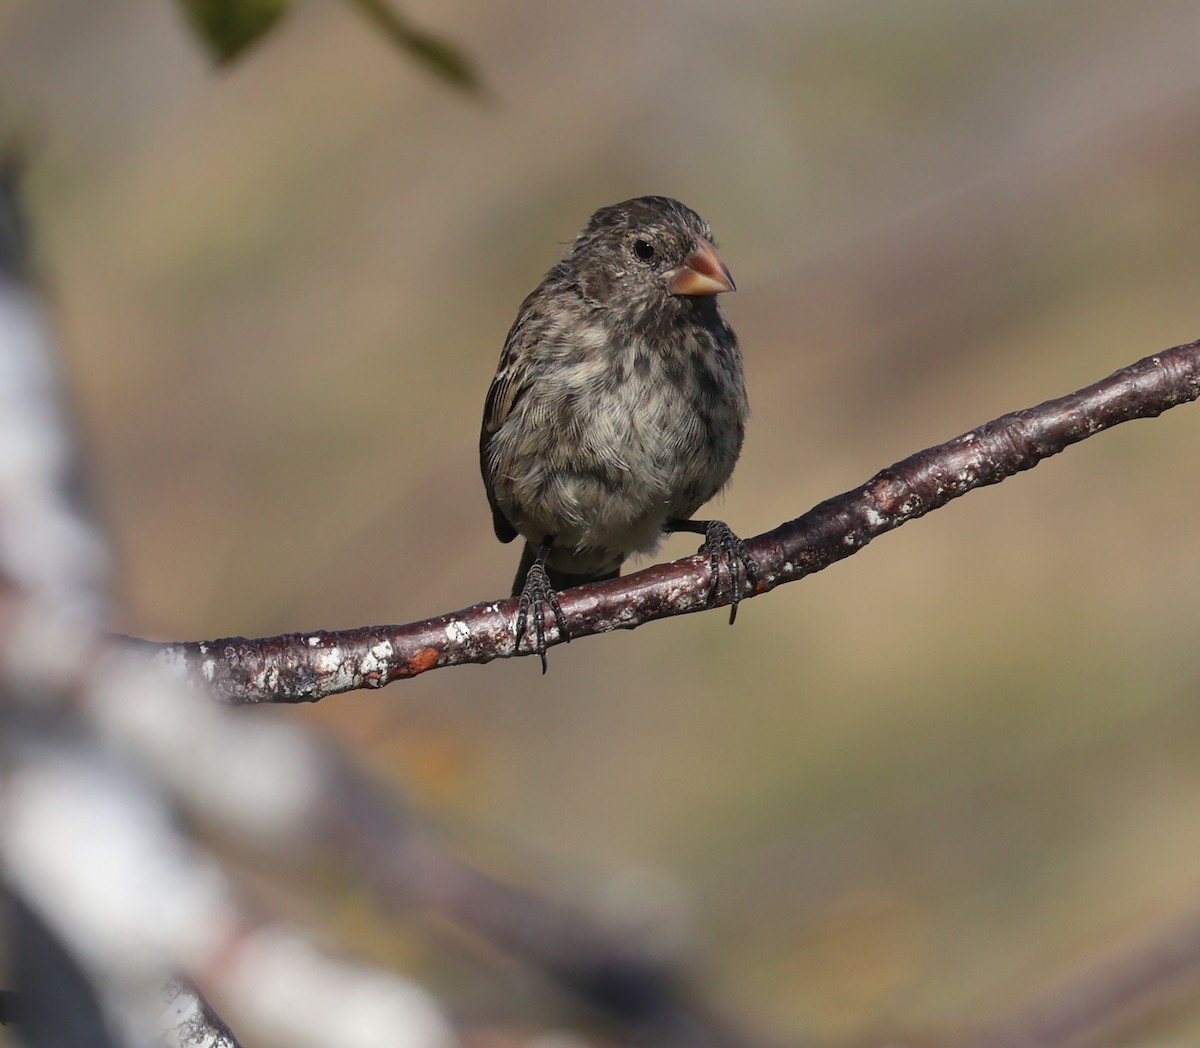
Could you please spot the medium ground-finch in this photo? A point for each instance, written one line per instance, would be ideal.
(618, 407)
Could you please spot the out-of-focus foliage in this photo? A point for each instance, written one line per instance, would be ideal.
(439, 55)
(228, 27)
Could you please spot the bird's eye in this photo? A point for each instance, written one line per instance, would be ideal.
(643, 249)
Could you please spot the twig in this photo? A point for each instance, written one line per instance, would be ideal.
(306, 667)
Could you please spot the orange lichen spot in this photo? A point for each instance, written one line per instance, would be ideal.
(423, 659)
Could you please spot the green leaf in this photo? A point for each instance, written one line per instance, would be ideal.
(228, 27)
(442, 57)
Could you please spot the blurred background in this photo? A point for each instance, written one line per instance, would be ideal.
(898, 798)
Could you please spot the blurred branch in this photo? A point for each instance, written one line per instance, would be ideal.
(306, 667)
(619, 974)
(110, 898)
(1105, 997)
(51, 560)
(47, 544)
(56, 1003)
(14, 237)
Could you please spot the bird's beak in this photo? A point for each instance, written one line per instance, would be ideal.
(702, 273)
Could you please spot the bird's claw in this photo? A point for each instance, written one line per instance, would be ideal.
(724, 547)
(536, 596)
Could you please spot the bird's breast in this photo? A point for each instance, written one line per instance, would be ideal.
(616, 437)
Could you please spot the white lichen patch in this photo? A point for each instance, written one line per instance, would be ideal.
(374, 666)
(874, 518)
(626, 614)
(457, 631)
(379, 657)
(329, 660)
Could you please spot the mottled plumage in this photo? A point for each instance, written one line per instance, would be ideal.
(618, 407)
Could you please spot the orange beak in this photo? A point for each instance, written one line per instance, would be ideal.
(702, 273)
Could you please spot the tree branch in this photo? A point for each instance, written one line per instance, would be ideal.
(306, 667)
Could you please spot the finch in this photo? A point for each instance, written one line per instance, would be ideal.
(618, 408)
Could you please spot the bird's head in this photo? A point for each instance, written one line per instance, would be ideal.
(650, 254)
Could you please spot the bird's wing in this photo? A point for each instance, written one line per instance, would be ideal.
(495, 410)
(510, 383)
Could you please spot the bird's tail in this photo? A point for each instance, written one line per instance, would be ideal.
(560, 580)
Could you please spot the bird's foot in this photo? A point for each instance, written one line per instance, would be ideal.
(724, 547)
(538, 595)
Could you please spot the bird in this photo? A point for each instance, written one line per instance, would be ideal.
(617, 410)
